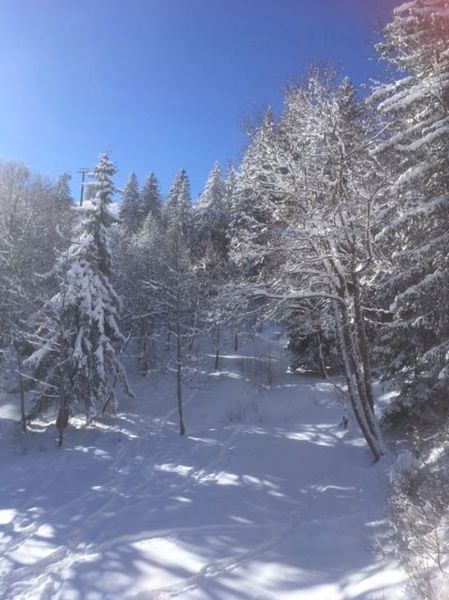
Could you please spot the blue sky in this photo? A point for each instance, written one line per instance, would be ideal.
(163, 84)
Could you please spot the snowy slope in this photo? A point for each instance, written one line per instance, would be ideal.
(265, 499)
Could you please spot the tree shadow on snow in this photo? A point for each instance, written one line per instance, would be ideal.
(217, 516)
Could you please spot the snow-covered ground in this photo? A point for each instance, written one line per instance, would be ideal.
(265, 498)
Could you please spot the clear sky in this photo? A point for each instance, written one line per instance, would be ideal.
(163, 84)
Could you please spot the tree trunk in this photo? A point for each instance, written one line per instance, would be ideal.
(363, 341)
(321, 358)
(236, 342)
(217, 348)
(167, 341)
(270, 367)
(193, 326)
(182, 428)
(62, 421)
(21, 389)
(144, 365)
(357, 408)
(356, 364)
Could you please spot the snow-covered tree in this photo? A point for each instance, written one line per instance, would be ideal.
(179, 203)
(156, 276)
(211, 254)
(150, 198)
(211, 220)
(75, 362)
(140, 279)
(230, 186)
(137, 261)
(178, 305)
(32, 217)
(212, 198)
(35, 218)
(130, 206)
(62, 191)
(413, 228)
(176, 288)
(306, 195)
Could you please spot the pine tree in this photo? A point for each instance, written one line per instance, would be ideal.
(179, 203)
(150, 198)
(61, 216)
(230, 186)
(62, 191)
(76, 362)
(130, 210)
(212, 219)
(212, 198)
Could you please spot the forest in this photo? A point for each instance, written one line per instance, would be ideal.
(333, 228)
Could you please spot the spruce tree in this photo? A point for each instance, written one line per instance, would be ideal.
(62, 189)
(130, 207)
(212, 218)
(179, 203)
(150, 198)
(75, 361)
(212, 198)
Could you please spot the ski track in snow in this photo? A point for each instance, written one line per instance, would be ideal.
(279, 505)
